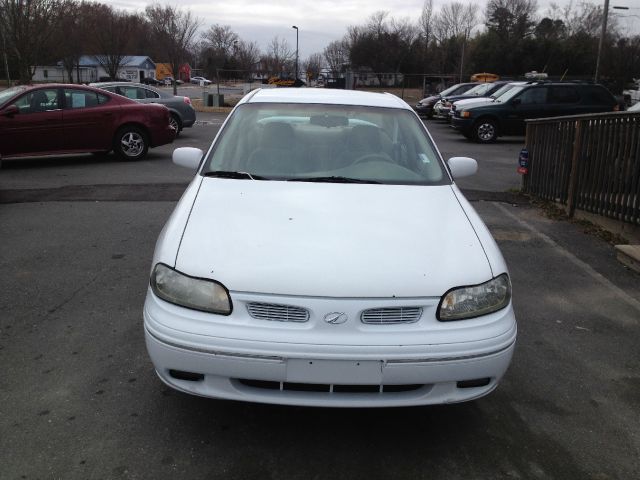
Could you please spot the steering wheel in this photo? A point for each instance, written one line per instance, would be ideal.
(373, 157)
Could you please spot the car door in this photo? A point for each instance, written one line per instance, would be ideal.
(564, 100)
(530, 103)
(89, 120)
(37, 126)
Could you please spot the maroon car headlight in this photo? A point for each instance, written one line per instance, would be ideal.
(190, 292)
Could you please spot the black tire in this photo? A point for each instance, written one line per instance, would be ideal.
(485, 130)
(175, 122)
(130, 143)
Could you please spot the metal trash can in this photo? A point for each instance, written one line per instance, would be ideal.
(212, 99)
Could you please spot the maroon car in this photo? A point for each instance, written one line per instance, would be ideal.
(59, 118)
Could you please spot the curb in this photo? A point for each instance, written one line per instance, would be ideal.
(629, 255)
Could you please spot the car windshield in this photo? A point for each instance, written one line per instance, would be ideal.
(483, 89)
(5, 95)
(325, 143)
(508, 95)
(479, 89)
(501, 91)
(450, 90)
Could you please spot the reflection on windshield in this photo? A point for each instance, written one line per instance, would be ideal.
(8, 93)
(511, 93)
(330, 143)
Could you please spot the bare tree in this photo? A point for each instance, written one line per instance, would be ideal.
(247, 56)
(426, 21)
(280, 57)
(313, 65)
(174, 31)
(73, 36)
(221, 39)
(455, 19)
(111, 37)
(28, 27)
(336, 56)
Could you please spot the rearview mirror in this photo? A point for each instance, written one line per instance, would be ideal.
(188, 157)
(462, 167)
(10, 111)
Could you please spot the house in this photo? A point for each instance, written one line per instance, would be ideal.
(134, 68)
(164, 70)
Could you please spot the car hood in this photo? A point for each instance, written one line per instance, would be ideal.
(331, 240)
(430, 100)
(468, 102)
(455, 98)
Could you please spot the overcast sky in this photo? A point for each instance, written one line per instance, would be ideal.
(319, 21)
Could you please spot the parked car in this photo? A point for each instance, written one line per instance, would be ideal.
(171, 81)
(634, 108)
(60, 118)
(289, 272)
(482, 100)
(199, 80)
(182, 112)
(151, 81)
(442, 108)
(484, 123)
(424, 107)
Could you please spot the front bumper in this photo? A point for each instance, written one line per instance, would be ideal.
(366, 365)
(463, 125)
(162, 136)
(424, 110)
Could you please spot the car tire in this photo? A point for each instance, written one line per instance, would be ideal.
(175, 122)
(485, 130)
(130, 143)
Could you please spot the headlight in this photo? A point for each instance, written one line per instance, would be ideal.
(466, 114)
(190, 292)
(474, 301)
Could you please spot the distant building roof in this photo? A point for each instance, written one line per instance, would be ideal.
(128, 61)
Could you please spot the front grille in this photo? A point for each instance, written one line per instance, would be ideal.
(277, 313)
(391, 315)
(327, 388)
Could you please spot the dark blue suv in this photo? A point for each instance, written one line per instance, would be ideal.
(485, 122)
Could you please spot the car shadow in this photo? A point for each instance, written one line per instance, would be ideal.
(51, 161)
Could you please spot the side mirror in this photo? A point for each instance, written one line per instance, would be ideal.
(462, 166)
(10, 111)
(188, 157)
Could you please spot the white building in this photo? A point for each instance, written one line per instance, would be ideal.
(134, 68)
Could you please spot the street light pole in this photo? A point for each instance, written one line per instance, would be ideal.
(296, 28)
(605, 15)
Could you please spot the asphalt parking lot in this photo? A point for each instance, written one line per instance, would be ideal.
(79, 398)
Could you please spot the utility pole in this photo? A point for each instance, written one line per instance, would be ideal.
(296, 28)
(4, 54)
(605, 15)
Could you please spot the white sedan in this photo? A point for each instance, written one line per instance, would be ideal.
(200, 81)
(324, 256)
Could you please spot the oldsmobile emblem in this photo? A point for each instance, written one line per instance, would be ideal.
(336, 318)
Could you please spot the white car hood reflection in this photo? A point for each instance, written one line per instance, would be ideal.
(331, 240)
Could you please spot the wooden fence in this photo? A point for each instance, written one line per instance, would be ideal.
(587, 162)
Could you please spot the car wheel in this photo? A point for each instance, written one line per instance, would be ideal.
(485, 131)
(131, 143)
(174, 121)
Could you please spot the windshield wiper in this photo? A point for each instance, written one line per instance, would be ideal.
(229, 174)
(331, 180)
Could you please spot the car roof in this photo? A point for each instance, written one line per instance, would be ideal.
(117, 84)
(325, 96)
